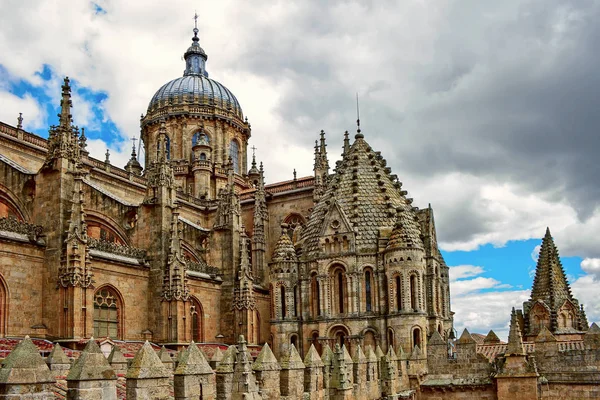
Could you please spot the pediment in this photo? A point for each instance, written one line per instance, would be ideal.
(336, 222)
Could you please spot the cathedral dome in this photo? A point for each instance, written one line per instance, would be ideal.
(195, 88)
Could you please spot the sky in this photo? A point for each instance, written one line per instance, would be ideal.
(487, 110)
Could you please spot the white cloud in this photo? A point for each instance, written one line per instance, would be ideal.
(591, 266)
(464, 271)
(33, 114)
(585, 289)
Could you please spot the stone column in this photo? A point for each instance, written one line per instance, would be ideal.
(313, 374)
(147, 377)
(292, 374)
(24, 374)
(91, 376)
(194, 378)
(267, 370)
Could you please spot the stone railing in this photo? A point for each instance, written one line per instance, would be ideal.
(203, 267)
(12, 224)
(118, 249)
(194, 200)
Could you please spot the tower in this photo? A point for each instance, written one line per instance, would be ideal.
(205, 127)
(551, 304)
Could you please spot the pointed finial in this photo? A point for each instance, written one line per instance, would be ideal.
(548, 234)
(294, 173)
(107, 160)
(346, 143)
(358, 134)
(65, 104)
(20, 121)
(133, 139)
(261, 167)
(195, 38)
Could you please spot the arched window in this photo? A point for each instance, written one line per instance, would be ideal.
(413, 293)
(368, 295)
(339, 289)
(315, 297)
(168, 148)
(416, 337)
(390, 337)
(295, 301)
(202, 157)
(294, 340)
(197, 321)
(398, 293)
(234, 153)
(282, 295)
(106, 314)
(369, 340)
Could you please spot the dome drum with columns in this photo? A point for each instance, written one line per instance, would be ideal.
(206, 129)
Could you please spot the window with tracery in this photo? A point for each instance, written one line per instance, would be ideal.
(106, 314)
(234, 153)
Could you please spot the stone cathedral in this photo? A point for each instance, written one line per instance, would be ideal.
(194, 245)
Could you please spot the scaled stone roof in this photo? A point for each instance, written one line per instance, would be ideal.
(284, 248)
(406, 233)
(550, 283)
(365, 191)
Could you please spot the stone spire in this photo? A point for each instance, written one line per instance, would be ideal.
(160, 188)
(253, 172)
(550, 283)
(406, 233)
(175, 283)
(83, 143)
(75, 265)
(244, 293)
(321, 166)
(515, 340)
(63, 139)
(259, 231)
(133, 165)
(346, 143)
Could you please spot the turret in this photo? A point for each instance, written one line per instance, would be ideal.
(260, 232)
(285, 292)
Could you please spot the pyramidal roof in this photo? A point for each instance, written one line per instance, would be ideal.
(550, 283)
(284, 248)
(363, 191)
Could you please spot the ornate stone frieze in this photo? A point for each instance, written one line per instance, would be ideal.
(12, 224)
(116, 248)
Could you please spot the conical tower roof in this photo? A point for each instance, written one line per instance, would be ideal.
(550, 283)
(365, 191)
(406, 233)
(284, 248)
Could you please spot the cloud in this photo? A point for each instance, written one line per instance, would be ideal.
(481, 303)
(591, 266)
(487, 110)
(464, 271)
(585, 289)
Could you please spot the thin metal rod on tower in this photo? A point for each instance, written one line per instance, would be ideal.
(357, 113)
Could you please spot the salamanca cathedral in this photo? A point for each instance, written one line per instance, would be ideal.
(191, 277)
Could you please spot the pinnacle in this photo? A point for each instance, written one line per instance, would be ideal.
(515, 341)
(466, 338)
(266, 361)
(491, 337)
(312, 358)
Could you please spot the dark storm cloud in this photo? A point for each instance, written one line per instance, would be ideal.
(505, 90)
